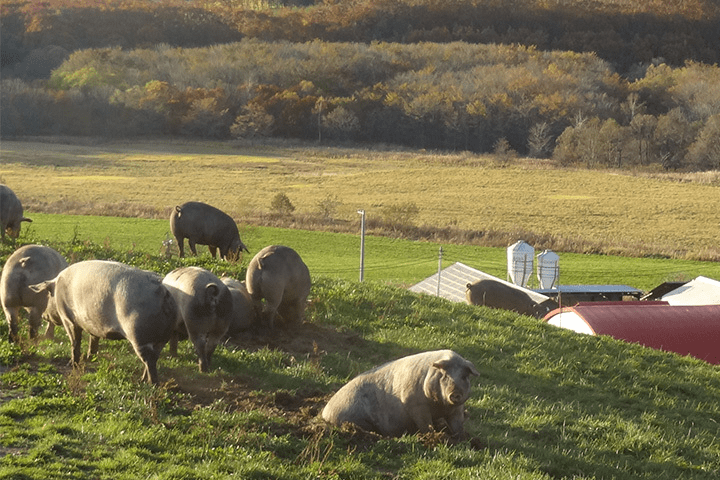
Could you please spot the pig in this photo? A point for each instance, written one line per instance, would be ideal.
(416, 394)
(278, 275)
(205, 310)
(243, 311)
(114, 301)
(11, 213)
(206, 225)
(28, 265)
(494, 294)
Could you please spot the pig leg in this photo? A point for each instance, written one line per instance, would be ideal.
(149, 354)
(422, 417)
(35, 318)
(93, 344)
(11, 314)
(173, 344)
(75, 334)
(181, 245)
(191, 244)
(455, 420)
(213, 251)
(50, 332)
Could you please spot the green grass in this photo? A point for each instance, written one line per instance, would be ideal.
(400, 262)
(548, 403)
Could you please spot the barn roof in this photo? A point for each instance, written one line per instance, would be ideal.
(454, 279)
(700, 291)
(687, 330)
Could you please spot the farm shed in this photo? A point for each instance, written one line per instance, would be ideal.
(700, 291)
(687, 330)
(454, 279)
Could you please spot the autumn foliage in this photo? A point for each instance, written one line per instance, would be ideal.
(611, 82)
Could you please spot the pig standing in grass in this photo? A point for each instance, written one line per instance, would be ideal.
(205, 309)
(28, 265)
(114, 301)
(419, 393)
(243, 311)
(11, 213)
(278, 275)
(203, 224)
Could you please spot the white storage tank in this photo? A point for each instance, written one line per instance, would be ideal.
(520, 257)
(548, 269)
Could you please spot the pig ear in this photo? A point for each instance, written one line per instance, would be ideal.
(40, 287)
(471, 368)
(442, 364)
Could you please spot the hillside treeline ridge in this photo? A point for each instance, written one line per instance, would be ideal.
(506, 99)
(629, 34)
(291, 72)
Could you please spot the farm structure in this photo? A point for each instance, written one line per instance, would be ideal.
(700, 291)
(684, 329)
(451, 283)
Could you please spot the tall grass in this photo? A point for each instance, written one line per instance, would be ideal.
(459, 198)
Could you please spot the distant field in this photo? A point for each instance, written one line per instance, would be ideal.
(625, 213)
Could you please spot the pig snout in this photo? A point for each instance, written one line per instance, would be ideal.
(457, 396)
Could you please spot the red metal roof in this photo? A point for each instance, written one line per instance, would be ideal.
(687, 330)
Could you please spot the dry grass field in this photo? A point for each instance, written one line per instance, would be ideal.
(646, 213)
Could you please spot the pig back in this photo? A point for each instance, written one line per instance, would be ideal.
(112, 300)
(280, 267)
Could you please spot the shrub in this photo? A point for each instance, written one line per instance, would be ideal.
(281, 204)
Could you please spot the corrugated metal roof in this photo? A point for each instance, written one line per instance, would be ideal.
(454, 280)
(687, 330)
(700, 291)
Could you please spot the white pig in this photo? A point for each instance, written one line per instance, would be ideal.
(419, 393)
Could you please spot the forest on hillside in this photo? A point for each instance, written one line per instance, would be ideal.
(606, 83)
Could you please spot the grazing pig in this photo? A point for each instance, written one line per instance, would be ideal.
(11, 213)
(278, 275)
(114, 301)
(243, 311)
(495, 294)
(28, 265)
(205, 309)
(420, 393)
(203, 224)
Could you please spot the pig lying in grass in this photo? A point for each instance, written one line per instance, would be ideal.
(28, 265)
(419, 393)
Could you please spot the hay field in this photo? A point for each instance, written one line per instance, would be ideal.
(665, 214)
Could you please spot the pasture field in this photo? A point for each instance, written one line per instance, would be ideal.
(548, 403)
(625, 214)
(337, 255)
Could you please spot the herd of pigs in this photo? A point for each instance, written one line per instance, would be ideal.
(110, 300)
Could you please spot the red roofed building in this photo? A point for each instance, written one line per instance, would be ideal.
(687, 330)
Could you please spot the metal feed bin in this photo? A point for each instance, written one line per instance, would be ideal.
(548, 269)
(520, 257)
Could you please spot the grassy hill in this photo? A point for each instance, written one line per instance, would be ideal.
(548, 403)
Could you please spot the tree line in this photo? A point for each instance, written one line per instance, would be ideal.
(576, 107)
